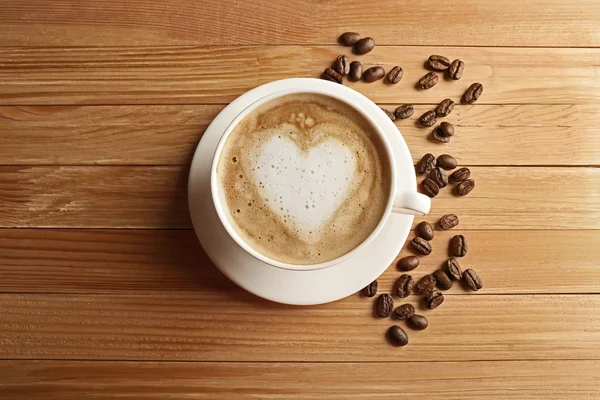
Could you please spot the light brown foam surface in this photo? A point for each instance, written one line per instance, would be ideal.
(304, 179)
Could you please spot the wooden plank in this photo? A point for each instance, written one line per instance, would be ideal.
(117, 261)
(168, 134)
(222, 326)
(177, 75)
(151, 22)
(460, 380)
(156, 197)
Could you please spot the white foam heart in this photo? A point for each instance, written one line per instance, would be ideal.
(304, 188)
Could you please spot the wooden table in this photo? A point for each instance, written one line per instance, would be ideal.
(105, 291)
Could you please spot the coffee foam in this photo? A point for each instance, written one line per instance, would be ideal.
(304, 179)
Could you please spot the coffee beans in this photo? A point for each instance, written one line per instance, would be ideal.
(453, 268)
(341, 65)
(446, 161)
(425, 285)
(373, 74)
(385, 305)
(349, 38)
(456, 69)
(408, 263)
(433, 300)
(437, 135)
(332, 75)
(439, 63)
(429, 118)
(439, 176)
(472, 280)
(426, 164)
(465, 187)
(364, 46)
(355, 73)
(404, 111)
(442, 280)
(421, 246)
(389, 114)
(460, 175)
(425, 230)
(448, 221)
(444, 108)
(371, 289)
(405, 311)
(428, 81)
(397, 336)
(404, 286)
(418, 322)
(473, 93)
(395, 75)
(458, 246)
(430, 188)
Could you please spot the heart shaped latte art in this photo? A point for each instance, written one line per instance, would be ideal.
(304, 187)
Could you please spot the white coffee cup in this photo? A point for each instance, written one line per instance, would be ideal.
(402, 199)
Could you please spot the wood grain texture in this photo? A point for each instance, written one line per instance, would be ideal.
(183, 75)
(152, 22)
(236, 326)
(168, 134)
(516, 380)
(156, 197)
(118, 261)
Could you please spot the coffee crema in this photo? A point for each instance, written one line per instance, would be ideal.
(304, 179)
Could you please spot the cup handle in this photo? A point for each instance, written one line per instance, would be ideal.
(411, 203)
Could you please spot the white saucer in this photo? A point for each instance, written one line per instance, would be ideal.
(272, 283)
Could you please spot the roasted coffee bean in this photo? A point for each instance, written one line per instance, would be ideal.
(385, 305)
(428, 119)
(439, 136)
(453, 268)
(442, 280)
(373, 74)
(460, 175)
(422, 246)
(425, 230)
(397, 336)
(404, 111)
(446, 129)
(446, 161)
(332, 75)
(425, 285)
(408, 263)
(389, 114)
(439, 176)
(472, 280)
(426, 164)
(430, 188)
(473, 93)
(405, 311)
(458, 246)
(395, 75)
(342, 65)
(428, 81)
(465, 187)
(456, 69)
(355, 71)
(448, 221)
(433, 300)
(404, 286)
(349, 38)
(371, 289)
(439, 63)
(364, 45)
(444, 108)
(418, 322)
